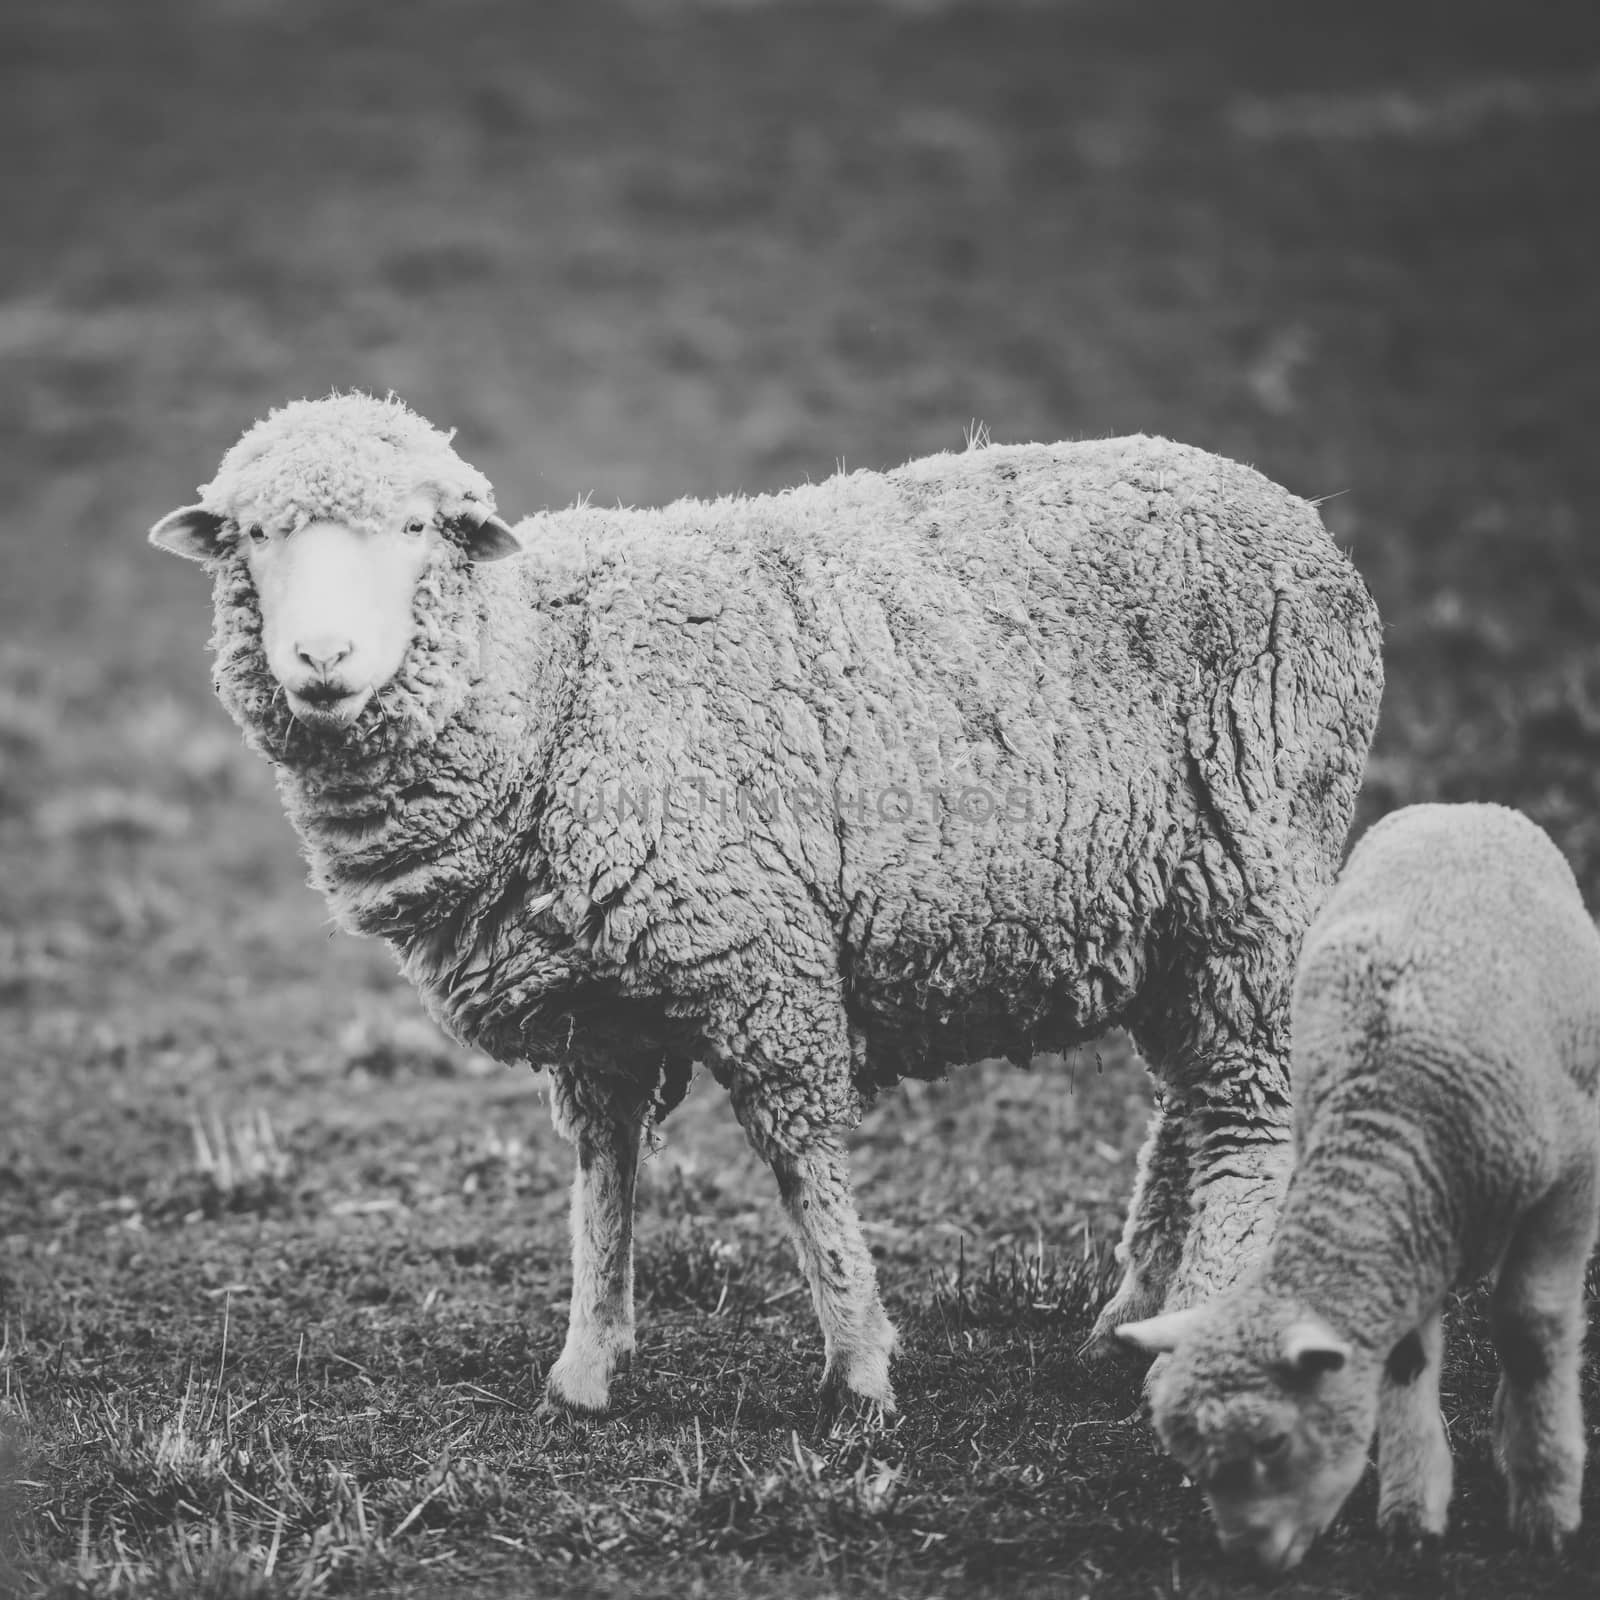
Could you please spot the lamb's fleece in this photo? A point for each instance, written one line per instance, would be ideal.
(1447, 1122)
(636, 800)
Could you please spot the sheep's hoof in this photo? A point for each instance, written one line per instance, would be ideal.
(1131, 1303)
(1405, 1532)
(1542, 1527)
(1104, 1349)
(559, 1401)
(849, 1399)
(579, 1384)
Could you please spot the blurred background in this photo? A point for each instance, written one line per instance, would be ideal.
(639, 250)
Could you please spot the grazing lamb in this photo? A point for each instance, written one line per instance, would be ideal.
(1446, 1052)
(824, 788)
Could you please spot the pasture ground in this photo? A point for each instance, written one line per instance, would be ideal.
(280, 1271)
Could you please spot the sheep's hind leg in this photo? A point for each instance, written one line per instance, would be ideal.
(1415, 1474)
(1538, 1320)
(606, 1130)
(1218, 1036)
(1152, 1238)
(814, 1186)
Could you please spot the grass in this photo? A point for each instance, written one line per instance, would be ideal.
(280, 1270)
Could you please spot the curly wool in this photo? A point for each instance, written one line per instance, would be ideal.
(351, 458)
(1160, 650)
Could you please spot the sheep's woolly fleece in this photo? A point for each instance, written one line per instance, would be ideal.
(350, 458)
(1452, 982)
(1085, 629)
(976, 757)
(1447, 1116)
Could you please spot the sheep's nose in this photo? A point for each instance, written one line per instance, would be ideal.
(323, 653)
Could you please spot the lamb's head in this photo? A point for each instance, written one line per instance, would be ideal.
(1268, 1409)
(334, 526)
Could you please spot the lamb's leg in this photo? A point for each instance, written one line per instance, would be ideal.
(1414, 1468)
(1538, 1318)
(814, 1186)
(606, 1131)
(1152, 1237)
(1218, 1034)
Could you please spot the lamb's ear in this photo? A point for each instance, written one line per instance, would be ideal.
(1311, 1347)
(484, 536)
(191, 532)
(1156, 1335)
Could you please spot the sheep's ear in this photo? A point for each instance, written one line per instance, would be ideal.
(1311, 1347)
(1157, 1335)
(485, 537)
(191, 532)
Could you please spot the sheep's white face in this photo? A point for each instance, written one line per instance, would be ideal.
(336, 607)
(1272, 1419)
(337, 602)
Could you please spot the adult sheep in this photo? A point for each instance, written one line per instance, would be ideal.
(977, 757)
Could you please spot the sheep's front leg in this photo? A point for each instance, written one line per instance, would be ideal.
(1538, 1319)
(1152, 1237)
(600, 1331)
(814, 1186)
(1415, 1474)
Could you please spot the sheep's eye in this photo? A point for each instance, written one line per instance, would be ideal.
(258, 534)
(1271, 1449)
(416, 525)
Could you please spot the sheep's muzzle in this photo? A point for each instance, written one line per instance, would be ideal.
(327, 706)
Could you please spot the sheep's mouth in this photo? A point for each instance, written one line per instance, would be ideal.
(328, 707)
(1274, 1551)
